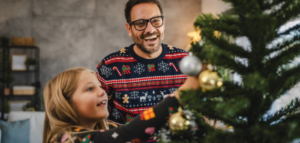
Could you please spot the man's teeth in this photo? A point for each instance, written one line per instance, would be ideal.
(151, 37)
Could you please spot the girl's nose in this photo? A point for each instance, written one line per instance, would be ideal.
(100, 92)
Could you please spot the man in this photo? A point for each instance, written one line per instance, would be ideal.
(139, 76)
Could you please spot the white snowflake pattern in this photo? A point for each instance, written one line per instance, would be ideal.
(158, 96)
(116, 113)
(139, 68)
(118, 95)
(115, 135)
(154, 97)
(163, 66)
(149, 97)
(172, 90)
(134, 95)
(106, 71)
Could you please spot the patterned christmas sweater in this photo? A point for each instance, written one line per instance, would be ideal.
(135, 84)
(138, 130)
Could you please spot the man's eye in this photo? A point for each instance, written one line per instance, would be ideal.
(90, 89)
(140, 22)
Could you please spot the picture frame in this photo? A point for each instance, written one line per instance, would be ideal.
(18, 62)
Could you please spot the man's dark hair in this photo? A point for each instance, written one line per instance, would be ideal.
(132, 3)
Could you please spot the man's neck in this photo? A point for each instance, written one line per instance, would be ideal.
(144, 55)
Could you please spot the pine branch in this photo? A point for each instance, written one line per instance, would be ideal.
(227, 47)
(204, 100)
(219, 136)
(270, 4)
(295, 28)
(206, 53)
(285, 44)
(229, 63)
(284, 57)
(289, 10)
(285, 81)
(226, 24)
(286, 130)
(292, 108)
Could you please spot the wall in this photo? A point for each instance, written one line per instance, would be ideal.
(74, 33)
(214, 6)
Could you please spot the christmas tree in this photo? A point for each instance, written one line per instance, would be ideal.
(263, 69)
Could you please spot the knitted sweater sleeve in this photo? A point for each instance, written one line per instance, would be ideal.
(139, 129)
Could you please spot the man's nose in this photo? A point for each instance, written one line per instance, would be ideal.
(150, 28)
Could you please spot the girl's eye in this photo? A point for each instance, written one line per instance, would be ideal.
(90, 89)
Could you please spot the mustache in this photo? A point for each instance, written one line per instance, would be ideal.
(150, 34)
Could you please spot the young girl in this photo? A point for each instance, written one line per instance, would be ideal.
(76, 111)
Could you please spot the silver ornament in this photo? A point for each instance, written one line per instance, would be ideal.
(190, 65)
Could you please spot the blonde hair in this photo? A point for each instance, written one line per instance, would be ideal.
(59, 115)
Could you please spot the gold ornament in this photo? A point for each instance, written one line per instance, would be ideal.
(179, 122)
(209, 80)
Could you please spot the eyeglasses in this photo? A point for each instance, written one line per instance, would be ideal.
(141, 24)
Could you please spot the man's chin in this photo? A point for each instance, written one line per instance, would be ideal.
(152, 48)
(151, 51)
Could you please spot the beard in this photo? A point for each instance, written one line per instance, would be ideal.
(148, 49)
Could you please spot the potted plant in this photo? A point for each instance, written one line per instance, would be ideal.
(6, 109)
(4, 42)
(7, 80)
(29, 107)
(30, 63)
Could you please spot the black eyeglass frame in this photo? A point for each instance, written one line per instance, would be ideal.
(147, 21)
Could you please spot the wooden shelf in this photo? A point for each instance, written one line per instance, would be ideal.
(19, 97)
(29, 75)
(22, 47)
(21, 71)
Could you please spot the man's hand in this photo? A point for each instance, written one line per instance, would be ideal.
(190, 83)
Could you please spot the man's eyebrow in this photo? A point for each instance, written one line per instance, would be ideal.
(146, 19)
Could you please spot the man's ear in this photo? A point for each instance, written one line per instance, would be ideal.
(164, 21)
(128, 28)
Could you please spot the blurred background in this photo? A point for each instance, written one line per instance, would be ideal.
(72, 33)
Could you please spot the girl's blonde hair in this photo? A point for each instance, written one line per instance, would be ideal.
(59, 115)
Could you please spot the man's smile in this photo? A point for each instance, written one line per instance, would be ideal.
(150, 40)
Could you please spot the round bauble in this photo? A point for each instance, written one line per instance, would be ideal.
(190, 65)
(209, 80)
(179, 123)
